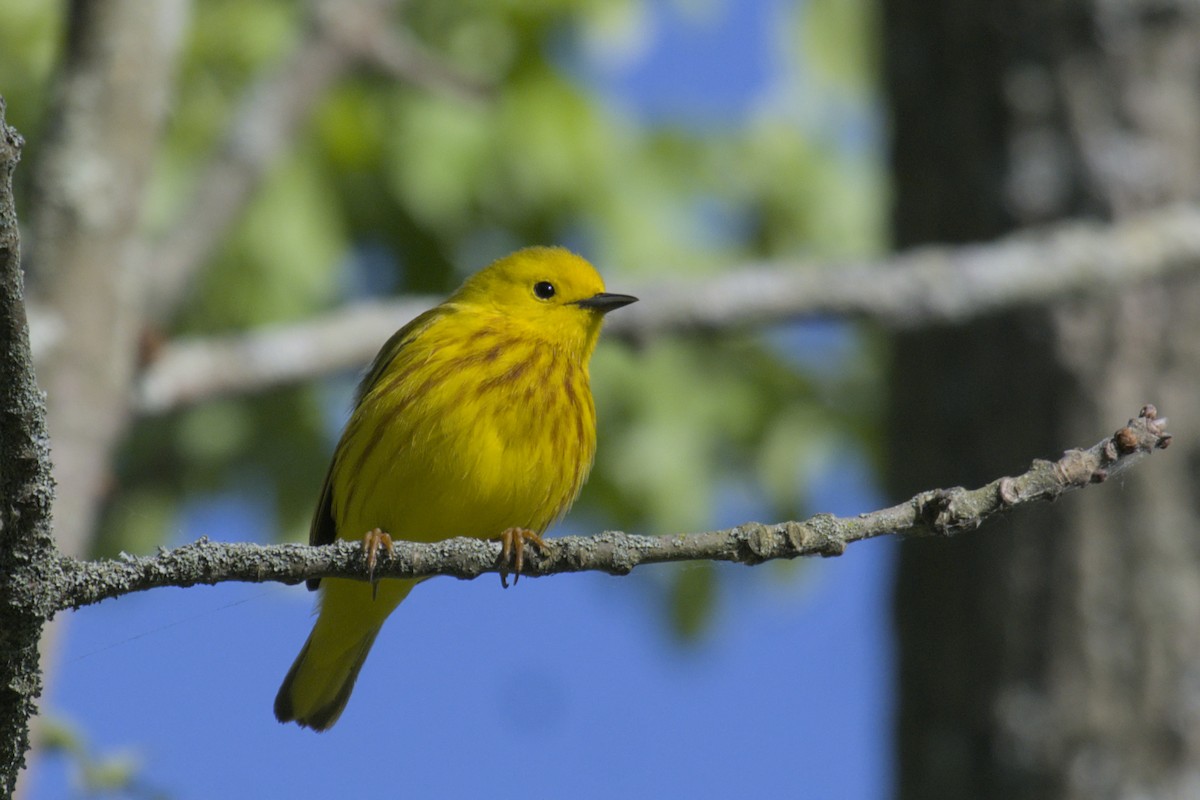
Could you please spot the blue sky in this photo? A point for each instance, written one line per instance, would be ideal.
(565, 686)
(561, 686)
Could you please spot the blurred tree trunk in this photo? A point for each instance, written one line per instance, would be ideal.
(1058, 655)
(90, 183)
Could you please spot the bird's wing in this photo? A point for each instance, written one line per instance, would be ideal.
(324, 529)
(392, 347)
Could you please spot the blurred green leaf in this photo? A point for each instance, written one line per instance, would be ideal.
(693, 598)
(136, 521)
(279, 264)
(826, 26)
(115, 774)
(59, 734)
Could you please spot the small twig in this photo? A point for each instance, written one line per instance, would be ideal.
(400, 55)
(929, 285)
(941, 512)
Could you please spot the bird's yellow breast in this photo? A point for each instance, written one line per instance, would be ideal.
(474, 426)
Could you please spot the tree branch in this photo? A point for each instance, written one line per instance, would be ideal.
(940, 512)
(26, 491)
(191, 370)
(927, 286)
(401, 55)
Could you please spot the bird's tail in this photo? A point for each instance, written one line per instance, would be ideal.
(317, 687)
(316, 690)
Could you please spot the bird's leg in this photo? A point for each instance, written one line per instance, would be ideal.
(372, 541)
(512, 551)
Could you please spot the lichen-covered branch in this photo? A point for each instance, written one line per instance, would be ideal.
(930, 285)
(940, 512)
(26, 493)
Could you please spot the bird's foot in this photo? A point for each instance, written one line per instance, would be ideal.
(512, 551)
(372, 541)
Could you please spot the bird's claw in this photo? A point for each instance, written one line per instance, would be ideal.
(372, 541)
(512, 551)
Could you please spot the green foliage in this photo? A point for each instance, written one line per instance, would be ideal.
(108, 775)
(279, 264)
(825, 29)
(693, 598)
(29, 36)
(439, 184)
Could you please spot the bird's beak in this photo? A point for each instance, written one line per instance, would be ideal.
(606, 301)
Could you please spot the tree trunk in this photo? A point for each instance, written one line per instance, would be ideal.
(1058, 655)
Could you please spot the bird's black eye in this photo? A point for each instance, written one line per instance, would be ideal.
(544, 290)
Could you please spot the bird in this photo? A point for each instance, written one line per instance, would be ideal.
(475, 419)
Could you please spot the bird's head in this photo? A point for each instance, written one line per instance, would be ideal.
(556, 292)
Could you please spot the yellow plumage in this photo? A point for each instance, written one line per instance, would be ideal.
(475, 418)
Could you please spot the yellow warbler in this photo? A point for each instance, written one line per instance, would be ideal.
(475, 419)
